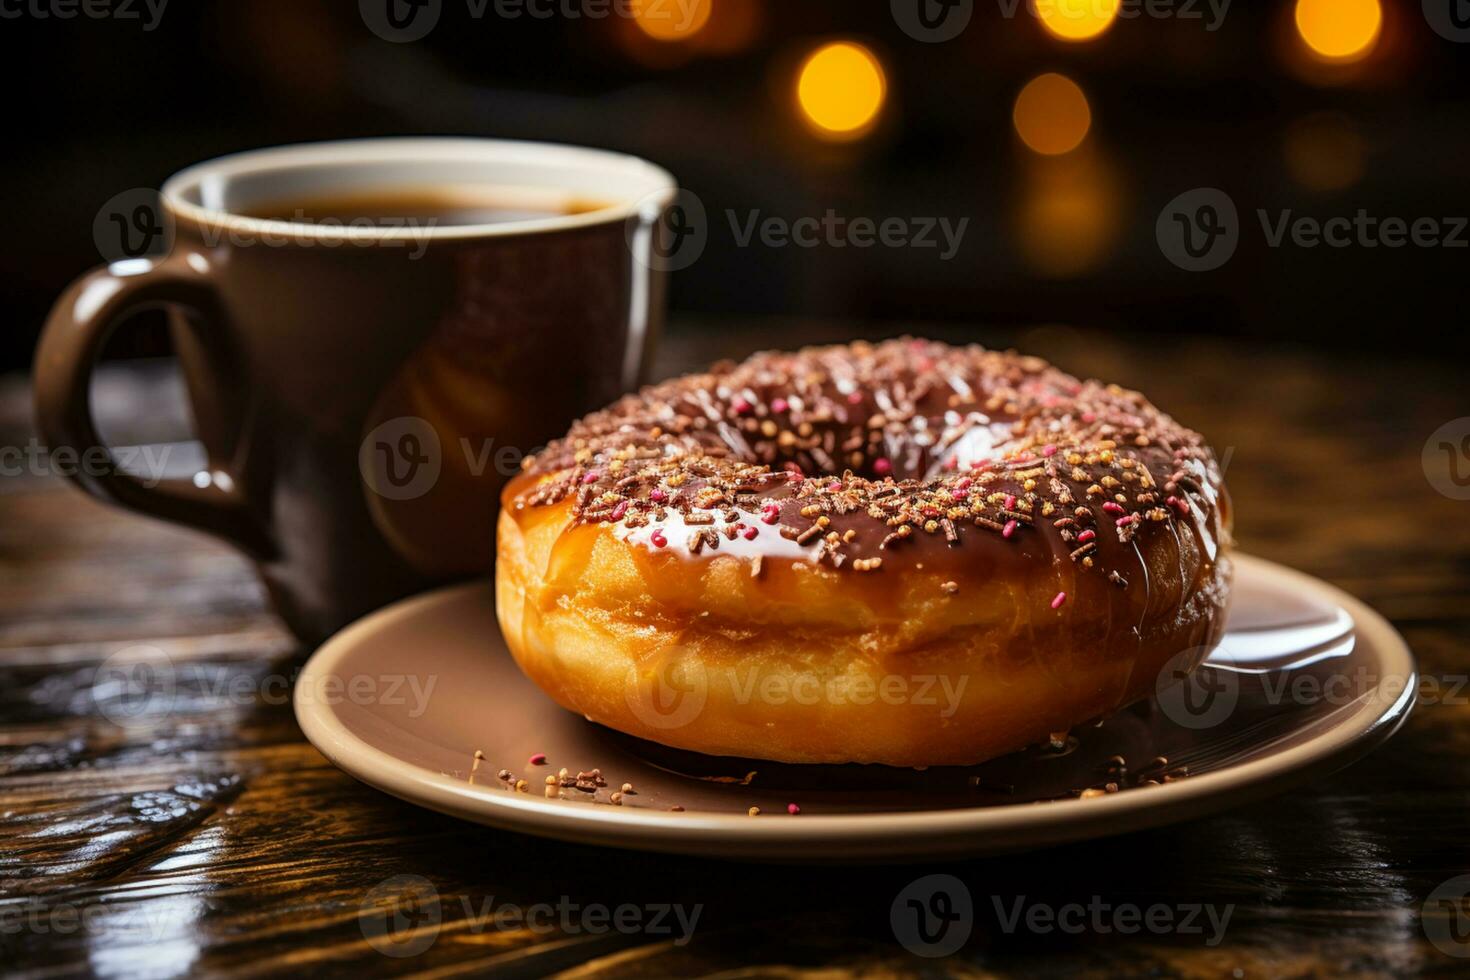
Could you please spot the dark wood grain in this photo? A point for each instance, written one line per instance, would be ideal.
(207, 837)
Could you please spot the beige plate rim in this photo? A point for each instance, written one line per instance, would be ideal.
(1370, 720)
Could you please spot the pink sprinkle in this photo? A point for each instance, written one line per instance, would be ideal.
(1179, 505)
(620, 510)
(793, 809)
(539, 759)
(658, 539)
(657, 495)
(1113, 507)
(591, 477)
(834, 486)
(1010, 501)
(771, 516)
(740, 406)
(1124, 521)
(1010, 529)
(964, 483)
(1087, 535)
(1048, 450)
(958, 493)
(1089, 417)
(856, 398)
(779, 405)
(1057, 602)
(750, 533)
(882, 466)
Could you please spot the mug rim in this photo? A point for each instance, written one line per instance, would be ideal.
(409, 149)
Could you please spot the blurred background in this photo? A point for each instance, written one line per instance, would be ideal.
(1053, 139)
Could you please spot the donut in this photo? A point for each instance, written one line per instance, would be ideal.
(905, 553)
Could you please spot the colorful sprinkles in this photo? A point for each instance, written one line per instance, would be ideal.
(914, 442)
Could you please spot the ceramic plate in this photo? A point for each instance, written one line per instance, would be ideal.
(1306, 680)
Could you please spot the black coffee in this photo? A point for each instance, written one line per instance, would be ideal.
(424, 207)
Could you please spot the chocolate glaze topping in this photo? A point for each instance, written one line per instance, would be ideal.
(865, 456)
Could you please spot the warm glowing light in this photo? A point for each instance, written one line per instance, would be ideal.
(1325, 152)
(671, 20)
(1339, 30)
(841, 89)
(1076, 20)
(1052, 115)
(1068, 214)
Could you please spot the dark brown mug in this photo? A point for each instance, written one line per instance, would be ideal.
(362, 392)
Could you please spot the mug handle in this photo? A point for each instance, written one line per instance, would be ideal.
(71, 342)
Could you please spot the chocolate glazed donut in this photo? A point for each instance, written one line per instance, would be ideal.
(903, 553)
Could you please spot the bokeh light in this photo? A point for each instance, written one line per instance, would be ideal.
(1076, 20)
(1339, 30)
(668, 20)
(841, 89)
(1051, 114)
(1068, 214)
(1325, 152)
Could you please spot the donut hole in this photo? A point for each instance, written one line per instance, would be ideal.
(917, 447)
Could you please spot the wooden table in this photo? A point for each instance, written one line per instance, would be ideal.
(210, 837)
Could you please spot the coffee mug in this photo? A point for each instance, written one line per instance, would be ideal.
(363, 391)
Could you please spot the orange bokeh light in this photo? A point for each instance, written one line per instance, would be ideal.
(1068, 214)
(1076, 20)
(671, 20)
(1339, 30)
(1051, 114)
(841, 89)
